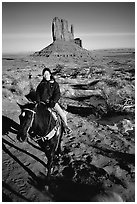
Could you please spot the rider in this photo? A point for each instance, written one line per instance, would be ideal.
(48, 91)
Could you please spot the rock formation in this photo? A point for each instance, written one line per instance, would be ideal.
(78, 41)
(60, 30)
(64, 44)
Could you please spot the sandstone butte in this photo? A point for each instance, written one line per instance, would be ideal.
(64, 45)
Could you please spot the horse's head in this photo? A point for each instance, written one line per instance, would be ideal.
(26, 119)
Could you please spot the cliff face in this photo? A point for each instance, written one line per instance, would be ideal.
(60, 30)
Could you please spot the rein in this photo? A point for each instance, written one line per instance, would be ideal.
(30, 110)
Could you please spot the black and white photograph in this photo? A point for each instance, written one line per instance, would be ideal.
(68, 101)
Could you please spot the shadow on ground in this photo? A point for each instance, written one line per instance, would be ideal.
(9, 125)
(63, 189)
(81, 111)
(5, 142)
(123, 159)
(6, 198)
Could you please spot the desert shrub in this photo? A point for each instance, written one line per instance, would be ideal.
(111, 82)
(127, 93)
(59, 67)
(110, 95)
(74, 73)
(101, 85)
(120, 82)
(115, 82)
(116, 97)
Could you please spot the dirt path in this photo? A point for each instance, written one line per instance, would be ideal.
(24, 163)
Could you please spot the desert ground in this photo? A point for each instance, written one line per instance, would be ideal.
(99, 98)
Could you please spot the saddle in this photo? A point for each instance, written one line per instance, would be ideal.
(56, 129)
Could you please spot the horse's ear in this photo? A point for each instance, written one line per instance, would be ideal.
(21, 106)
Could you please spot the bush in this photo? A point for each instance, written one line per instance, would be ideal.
(59, 67)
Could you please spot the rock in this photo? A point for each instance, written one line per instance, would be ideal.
(118, 172)
(60, 30)
(113, 127)
(78, 41)
(127, 125)
(109, 169)
(64, 45)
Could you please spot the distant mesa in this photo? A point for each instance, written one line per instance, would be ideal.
(64, 44)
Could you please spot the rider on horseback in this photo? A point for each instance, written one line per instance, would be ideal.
(48, 91)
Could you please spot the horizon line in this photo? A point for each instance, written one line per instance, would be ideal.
(27, 52)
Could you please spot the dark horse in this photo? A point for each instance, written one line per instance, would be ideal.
(39, 123)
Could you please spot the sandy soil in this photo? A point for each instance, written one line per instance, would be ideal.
(100, 153)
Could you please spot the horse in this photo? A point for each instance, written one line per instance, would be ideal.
(39, 123)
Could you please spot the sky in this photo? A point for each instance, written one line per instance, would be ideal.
(26, 26)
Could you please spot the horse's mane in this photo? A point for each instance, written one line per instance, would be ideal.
(40, 108)
(31, 96)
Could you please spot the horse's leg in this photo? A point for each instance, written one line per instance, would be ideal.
(55, 149)
(51, 163)
(50, 159)
(49, 167)
(58, 146)
(53, 153)
(48, 155)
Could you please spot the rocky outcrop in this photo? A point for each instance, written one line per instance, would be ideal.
(64, 45)
(60, 30)
(78, 41)
(64, 49)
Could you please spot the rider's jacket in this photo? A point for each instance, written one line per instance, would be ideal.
(48, 92)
